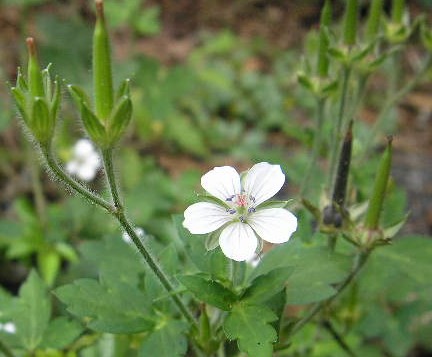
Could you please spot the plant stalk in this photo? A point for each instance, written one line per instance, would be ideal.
(144, 251)
(6, 350)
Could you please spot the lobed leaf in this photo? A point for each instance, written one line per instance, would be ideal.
(249, 325)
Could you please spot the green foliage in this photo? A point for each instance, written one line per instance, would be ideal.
(255, 336)
(167, 340)
(316, 270)
(209, 291)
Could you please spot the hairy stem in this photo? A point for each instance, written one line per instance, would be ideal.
(144, 251)
(5, 349)
(338, 338)
(73, 184)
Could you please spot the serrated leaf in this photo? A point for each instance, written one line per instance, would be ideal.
(167, 340)
(209, 291)
(60, 333)
(249, 325)
(33, 312)
(113, 308)
(266, 286)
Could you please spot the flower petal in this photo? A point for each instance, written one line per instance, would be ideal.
(83, 148)
(263, 181)
(274, 225)
(222, 182)
(205, 217)
(238, 241)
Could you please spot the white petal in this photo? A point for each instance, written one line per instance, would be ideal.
(238, 242)
(263, 181)
(72, 167)
(86, 172)
(205, 217)
(83, 148)
(93, 159)
(274, 225)
(222, 182)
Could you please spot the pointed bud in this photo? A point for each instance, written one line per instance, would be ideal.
(379, 189)
(35, 81)
(102, 75)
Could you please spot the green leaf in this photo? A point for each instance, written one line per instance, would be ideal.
(316, 269)
(48, 261)
(41, 122)
(167, 340)
(113, 308)
(33, 312)
(78, 95)
(249, 324)
(266, 286)
(60, 333)
(212, 262)
(209, 291)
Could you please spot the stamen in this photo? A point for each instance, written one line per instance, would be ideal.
(230, 198)
(242, 219)
(251, 209)
(231, 210)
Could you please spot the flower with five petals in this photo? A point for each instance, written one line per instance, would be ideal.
(238, 210)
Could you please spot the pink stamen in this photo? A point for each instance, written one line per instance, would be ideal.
(242, 200)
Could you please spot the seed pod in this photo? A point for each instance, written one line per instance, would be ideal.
(397, 12)
(350, 23)
(373, 21)
(341, 180)
(102, 75)
(379, 189)
(323, 60)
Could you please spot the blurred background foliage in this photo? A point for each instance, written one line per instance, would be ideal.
(213, 83)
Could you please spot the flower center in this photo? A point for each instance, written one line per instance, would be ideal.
(241, 205)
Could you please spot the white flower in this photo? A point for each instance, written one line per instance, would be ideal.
(85, 161)
(139, 232)
(8, 327)
(238, 212)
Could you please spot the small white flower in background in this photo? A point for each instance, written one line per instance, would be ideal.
(139, 231)
(238, 213)
(8, 327)
(85, 161)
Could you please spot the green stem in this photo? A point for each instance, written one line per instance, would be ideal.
(75, 185)
(145, 252)
(6, 350)
(316, 144)
(359, 261)
(338, 338)
(37, 186)
(396, 97)
(337, 132)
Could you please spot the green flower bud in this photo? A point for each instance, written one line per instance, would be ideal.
(350, 22)
(37, 97)
(373, 21)
(379, 189)
(102, 75)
